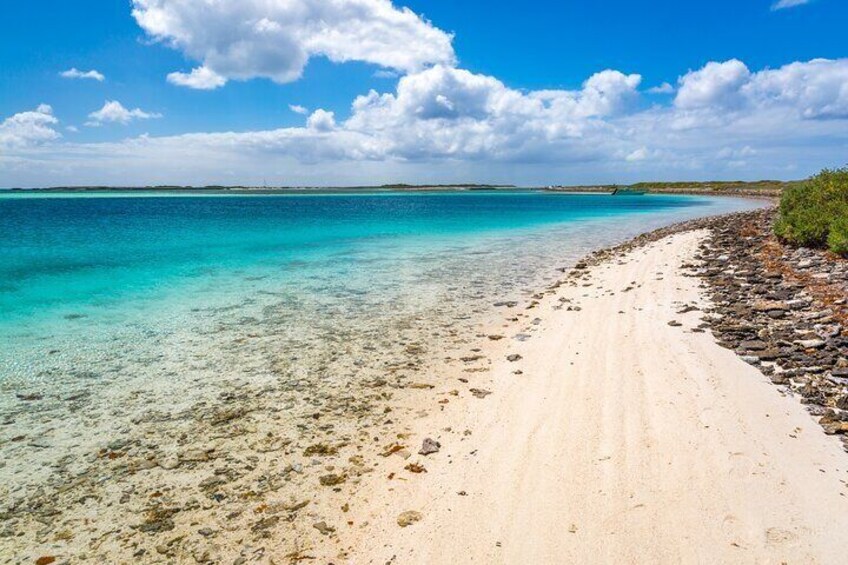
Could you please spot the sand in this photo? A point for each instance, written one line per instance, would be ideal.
(624, 440)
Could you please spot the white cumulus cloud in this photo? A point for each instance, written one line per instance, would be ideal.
(201, 78)
(664, 88)
(275, 39)
(298, 109)
(29, 128)
(115, 112)
(716, 84)
(440, 120)
(76, 73)
(816, 89)
(322, 121)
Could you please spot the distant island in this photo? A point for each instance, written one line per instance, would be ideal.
(268, 189)
(771, 188)
(738, 188)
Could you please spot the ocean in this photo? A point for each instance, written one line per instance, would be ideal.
(150, 339)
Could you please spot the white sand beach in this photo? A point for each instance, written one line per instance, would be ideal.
(623, 440)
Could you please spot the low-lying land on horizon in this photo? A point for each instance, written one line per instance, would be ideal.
(743, 188)
(270, 189)
(739, 188)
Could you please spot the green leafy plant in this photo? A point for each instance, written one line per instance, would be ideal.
(815, 213)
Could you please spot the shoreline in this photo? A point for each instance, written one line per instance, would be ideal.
(367, 470)
(636, 440)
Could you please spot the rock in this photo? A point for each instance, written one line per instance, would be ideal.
(408, 518)
(321, 450)
(332, 479)
(195, 455)
(833, 428)
(675, 324)
(295, 506)
(480, 393)
(810, 343)
(30, 398)
(770, 306)
(514, 357)
(324, 528)
(767, 355)
(415, 468)
(228, 415)
(429, 446)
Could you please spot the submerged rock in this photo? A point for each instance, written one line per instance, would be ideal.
(408, 518)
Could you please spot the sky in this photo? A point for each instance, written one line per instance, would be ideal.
(347, 92)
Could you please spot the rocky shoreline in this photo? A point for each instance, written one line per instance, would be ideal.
(781, 309)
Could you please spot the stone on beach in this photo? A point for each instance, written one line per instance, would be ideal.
(429, 446)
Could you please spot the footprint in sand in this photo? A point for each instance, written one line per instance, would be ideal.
(730, 524)
(779, 536)
(738, 533)
(741, 466)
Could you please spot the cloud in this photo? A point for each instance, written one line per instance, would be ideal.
(444, 112)
(275, 39)
(29, 128)
(816, 89)
(114, 112)
(664, 88)
(715, 85)
(783, 4)
(442, 119)
(385, 73)
(322, 121)
(200, 78)
(298, 109)
(77, 74)
(639, 154)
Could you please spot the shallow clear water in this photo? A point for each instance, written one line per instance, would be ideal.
(87, 280)
(149, 342)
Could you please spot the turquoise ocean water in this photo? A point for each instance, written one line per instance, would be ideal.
(130, 324)
(88, 282)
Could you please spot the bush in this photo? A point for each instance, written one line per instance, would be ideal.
(815, 214)
(837, 239)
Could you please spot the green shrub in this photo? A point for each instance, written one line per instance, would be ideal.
(815, 214)
(837, 239)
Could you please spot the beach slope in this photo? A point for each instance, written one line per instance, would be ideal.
(624, 439)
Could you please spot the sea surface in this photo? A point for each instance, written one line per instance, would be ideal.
(172, 360)
(88, 281)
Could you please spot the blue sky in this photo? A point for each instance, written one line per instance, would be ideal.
(465, 91)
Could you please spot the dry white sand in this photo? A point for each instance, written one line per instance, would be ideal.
(625, 440)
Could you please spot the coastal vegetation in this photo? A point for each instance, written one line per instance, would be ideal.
(768, 188)
(815, 213)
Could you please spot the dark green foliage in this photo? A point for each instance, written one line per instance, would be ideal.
(815, 213)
